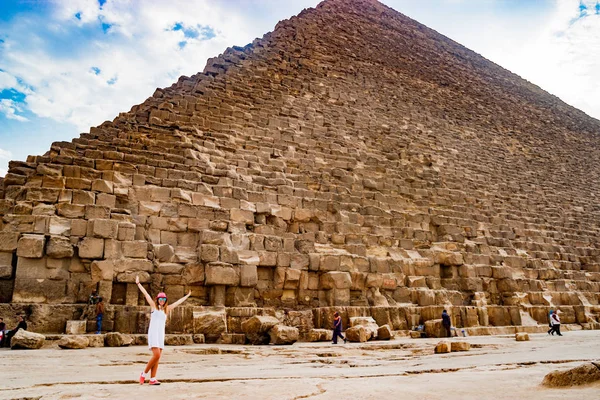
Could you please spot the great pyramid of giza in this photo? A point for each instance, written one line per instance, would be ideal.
(352, 159)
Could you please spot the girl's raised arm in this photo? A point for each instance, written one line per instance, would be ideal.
(146, 295)
(181, 300)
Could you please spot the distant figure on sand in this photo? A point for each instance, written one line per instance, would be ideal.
(446, 323)
(99, 315)
(337, 328)
(156, 330)
(556, 323)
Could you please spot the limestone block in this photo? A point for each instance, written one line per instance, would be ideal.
(337, 280)
(299, 261)
(199, 338)
(209, 252)
(95, 341)
(244, 216)
(9, 241)
(368, 323)
(100, 185)
(384, 332)
(59, 247)
(357, 334)
(210, 323)
(521, 337)
(133, 265)
(248, 257)
(281, 334)
(241, 297)
(257, 327)
(76, 327)
(135, 249)
(163, 252)
(434, 328)
(319, 335)
(584, 374)
(31, 246)
(443, 347)
(178, 340)
(104, 228)
(59, 226)
(5, 271)
(222, 274)
(232, 338)
(27, 340)
(73, 342)
(248, 275)
(374, 280)
(292, 278)
(460, 346)
(193, 273)
(126, 231)
(117, 339)
(267, 258)
(170, 268)
(330, 263)
(90, 247)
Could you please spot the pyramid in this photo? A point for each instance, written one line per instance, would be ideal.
(352, 159)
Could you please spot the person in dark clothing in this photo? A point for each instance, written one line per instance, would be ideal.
(556, 323)
(337, 328)
(9, 334)
(99, 315)
(551, 330)
(90, 309)
(446, 323)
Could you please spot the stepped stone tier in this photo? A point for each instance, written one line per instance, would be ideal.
(352, 159)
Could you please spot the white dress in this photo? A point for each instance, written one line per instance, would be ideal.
(156, 330)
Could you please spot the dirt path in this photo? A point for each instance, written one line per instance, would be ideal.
(495, 367)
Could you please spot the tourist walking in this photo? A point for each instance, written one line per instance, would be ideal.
(99, 315)
(556, 323)
(156, 330)
(90, 308)
(551, 330)
(337, 328)
(446, 323)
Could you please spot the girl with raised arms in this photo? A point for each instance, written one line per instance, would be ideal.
(156, 330)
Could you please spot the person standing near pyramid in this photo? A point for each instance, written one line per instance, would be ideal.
(156, 330)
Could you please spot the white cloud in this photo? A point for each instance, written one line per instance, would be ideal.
(138, 53)
(10, 108)
(5, 157)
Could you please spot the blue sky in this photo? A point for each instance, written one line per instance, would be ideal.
(68, 65)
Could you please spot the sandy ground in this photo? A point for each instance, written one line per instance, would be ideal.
(496, 367)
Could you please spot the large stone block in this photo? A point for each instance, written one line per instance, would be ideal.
(9, 241)
(210, 323)
(59, 247)
(73, 342)
(257, 327)
(281, 334)
(31, 246)
(104, 228)
(91, 248)
(248, 275)
(27, 340)
(76, 327)
(222, 274)
(102, 270)
(336, 280)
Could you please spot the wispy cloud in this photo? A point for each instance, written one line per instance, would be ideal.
(10, 109)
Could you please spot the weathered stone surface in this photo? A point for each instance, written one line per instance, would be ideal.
(27, 340)
(368, 323)
(210, 323)
(384, 332)
(460, 346)
(91, 248)
(256, 328)
(59, 247)
(76, 327)
(443, 347)
(221, 274)
(9, 241)
(521, 337)
(281, 334)
(178, 340)
(116, 339)
(358, 333)
(581, 375)
(31, 246)
(73, 342)
(319, 335)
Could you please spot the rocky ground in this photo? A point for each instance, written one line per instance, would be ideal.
(496, 367)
